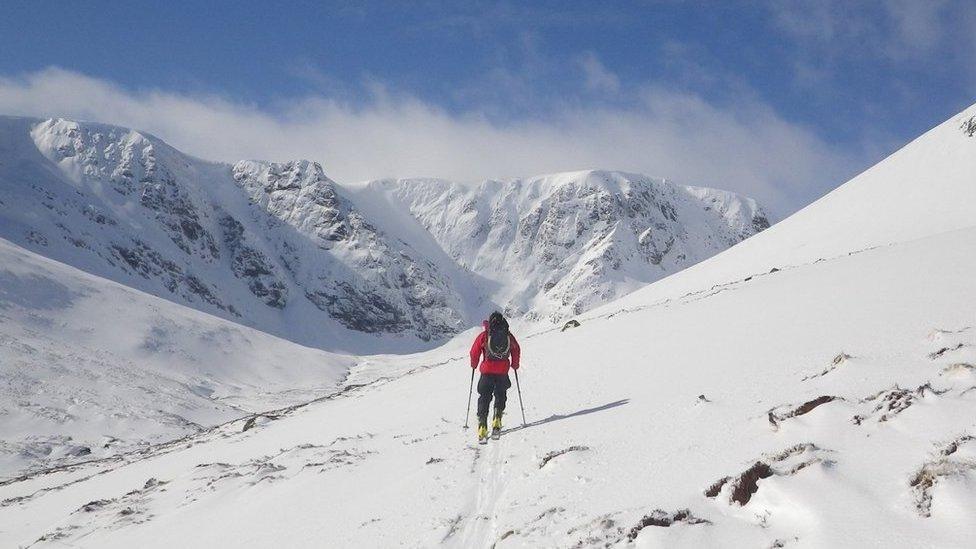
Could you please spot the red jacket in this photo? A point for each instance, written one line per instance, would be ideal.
(493, 366)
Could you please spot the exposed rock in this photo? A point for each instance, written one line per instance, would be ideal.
(237, 240)
(252, 265)
(563, 237)
(381, 288)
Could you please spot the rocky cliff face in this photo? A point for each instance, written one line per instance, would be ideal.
(281, 247)
(106, 194)
(372, 282)
(272, 245)
(561, 244)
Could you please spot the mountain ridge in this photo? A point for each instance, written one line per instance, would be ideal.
(281, 247)
(813, 386)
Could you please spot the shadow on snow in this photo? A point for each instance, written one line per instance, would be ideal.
(557, 417)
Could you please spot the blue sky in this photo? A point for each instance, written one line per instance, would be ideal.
(779, 100)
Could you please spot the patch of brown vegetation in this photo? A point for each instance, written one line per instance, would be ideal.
(944, 350)
(748, 482)
(958, 368)
(716, 487)
(665, 520)
(775, 416)
(929, 474)
(837, 361)
(891, 402)
(554, 454)
(786, 463)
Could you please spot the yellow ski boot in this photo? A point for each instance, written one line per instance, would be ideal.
(496, 427)
(482, 434)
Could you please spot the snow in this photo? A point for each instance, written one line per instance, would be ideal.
(283, 254)
(354, 470)
(921, 190)
(553, 246)
(280, 247)
(92, 368)
(688, 413)
(277, 247)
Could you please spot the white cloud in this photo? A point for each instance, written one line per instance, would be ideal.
(919, 24)
(894, 30)
(744, 147)
(596, 76)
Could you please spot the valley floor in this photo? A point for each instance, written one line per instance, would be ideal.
(823, 405)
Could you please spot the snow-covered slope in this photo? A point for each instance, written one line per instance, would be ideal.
(273, 246)
(926, 188)
(825, 404)
(90, 368)
(282, 248)
(555, 246)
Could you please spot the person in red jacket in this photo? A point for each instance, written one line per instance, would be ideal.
(495, 350)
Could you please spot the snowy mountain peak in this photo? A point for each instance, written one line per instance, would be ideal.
(573, 240)
(298, 193)
(281, 247)
(113, 155)
(283, 175)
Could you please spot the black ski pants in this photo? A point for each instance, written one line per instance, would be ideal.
(492, 385)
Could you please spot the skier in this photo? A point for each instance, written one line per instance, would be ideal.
(496, 349)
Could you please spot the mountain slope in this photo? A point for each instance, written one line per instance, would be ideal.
(282, 248)
(921, 190)
(827, 404)
(269, 245)
(557, 245)
(278, 247)
(92, 368)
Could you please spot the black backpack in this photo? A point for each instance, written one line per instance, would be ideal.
(497, 344)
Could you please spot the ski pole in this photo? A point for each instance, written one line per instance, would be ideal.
(470, 389)
(519, 387)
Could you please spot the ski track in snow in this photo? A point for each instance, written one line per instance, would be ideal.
(481, 524)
